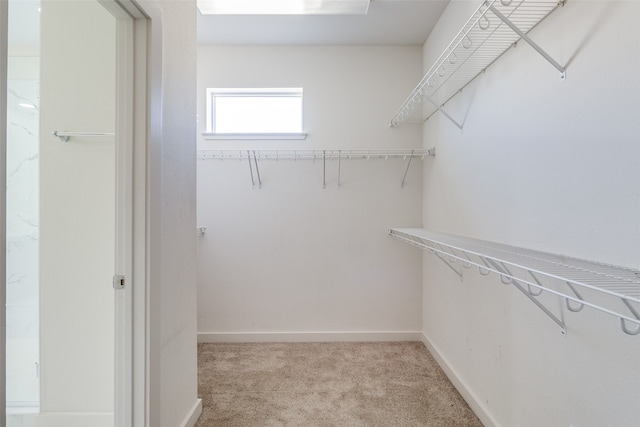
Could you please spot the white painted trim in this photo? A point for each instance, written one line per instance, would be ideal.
(192, 418)
(64, 419)
(140, 369)
(125, 122)
(251, 136)
(472, 400)
(23, 408)
(148, 343)
(354, 336)
(131, 184)
(4, 13)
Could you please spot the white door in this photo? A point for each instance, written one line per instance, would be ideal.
(77, 214)
(85, 206)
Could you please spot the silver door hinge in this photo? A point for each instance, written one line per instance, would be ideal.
(118, 281)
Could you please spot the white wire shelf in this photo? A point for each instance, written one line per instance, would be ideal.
(494, 27)
(611, 289)
(254, 156)
(313, 154)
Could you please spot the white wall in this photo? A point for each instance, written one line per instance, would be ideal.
(77, 208)
(550, 165)
(171, 207)
(293, 257)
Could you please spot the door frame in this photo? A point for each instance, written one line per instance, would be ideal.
(124, 146)
(132, 327)
(4, 23)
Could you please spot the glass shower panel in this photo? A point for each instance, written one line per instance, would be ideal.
(22, 275)
(22, 244)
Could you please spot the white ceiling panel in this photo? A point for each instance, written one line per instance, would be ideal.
(388, 23)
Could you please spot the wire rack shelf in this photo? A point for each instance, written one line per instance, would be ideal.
(313, 154)
(610, 289)
(494, 27)
(254, 156)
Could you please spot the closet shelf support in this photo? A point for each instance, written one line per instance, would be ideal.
(443, 259)
(580, 306)
(623, 322)
(526, 38)
(444, 112)
(563, 328)
(404, 177)
(255, 160)
(507, 278)
(324, 169)
(339, 165)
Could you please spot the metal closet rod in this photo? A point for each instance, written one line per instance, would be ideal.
(64, 135)
(313, 154)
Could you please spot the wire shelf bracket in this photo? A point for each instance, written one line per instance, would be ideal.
(578, 283)
(494, 27)
(255, 161)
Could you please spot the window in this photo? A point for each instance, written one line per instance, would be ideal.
(254, 113)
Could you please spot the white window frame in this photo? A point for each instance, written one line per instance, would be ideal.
(250, 92)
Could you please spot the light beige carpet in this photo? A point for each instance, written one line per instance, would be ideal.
(326, 384)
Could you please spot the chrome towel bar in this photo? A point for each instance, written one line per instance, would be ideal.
(64, 136)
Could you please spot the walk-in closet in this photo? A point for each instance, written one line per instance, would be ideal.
(477, 191)
(320, 213)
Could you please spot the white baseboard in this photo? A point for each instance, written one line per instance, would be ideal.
(193, 416)
(237, 337)
(22, 408)
(63, 419)
(472, 400)
(100, 419)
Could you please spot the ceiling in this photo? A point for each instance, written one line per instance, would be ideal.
(388, 23)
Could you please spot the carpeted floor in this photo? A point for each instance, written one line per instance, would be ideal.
(326, 384)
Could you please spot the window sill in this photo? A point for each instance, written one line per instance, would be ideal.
(250, 136)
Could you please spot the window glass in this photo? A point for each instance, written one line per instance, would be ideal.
(254, 111)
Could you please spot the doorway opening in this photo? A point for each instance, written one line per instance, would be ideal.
(70, 213)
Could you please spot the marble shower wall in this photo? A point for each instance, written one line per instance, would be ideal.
(22, 243)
